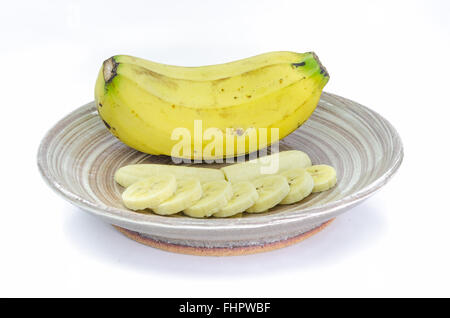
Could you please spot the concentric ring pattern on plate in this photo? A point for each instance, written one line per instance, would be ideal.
(78, 158)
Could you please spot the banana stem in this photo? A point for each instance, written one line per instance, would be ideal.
(109, 69)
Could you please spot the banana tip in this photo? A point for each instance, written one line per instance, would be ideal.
(109, 69)
(322, 68)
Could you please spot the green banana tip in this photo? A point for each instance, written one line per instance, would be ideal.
(322, 68)
(316, 65)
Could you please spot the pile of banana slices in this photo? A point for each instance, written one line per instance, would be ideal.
(225, 192)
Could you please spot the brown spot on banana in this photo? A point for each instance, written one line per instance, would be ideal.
(106, 124)
(225, 114)
(298, 64)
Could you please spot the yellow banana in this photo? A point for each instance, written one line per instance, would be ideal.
(143, 102)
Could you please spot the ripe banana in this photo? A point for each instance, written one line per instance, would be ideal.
(271, 164)
(301, 185)
(149, 192)
(271, 190)
(127, 175)
(244, 196)
(216, 195)
(324, 177)
(143, 102)
(188, 192)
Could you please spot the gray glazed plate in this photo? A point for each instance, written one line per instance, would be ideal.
(78, 158)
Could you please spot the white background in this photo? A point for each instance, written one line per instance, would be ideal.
(392, 56)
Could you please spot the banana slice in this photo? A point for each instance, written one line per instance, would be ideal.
(271, 190)
(271, 164)
(149, 192)
(130, 174)
(188, 192)
(244, 196)
(300, 183)
(324, 177)
(216, 195)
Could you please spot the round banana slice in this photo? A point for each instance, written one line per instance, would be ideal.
(271, 190)
(300, 183)
(216, 195)
(149, 192)
(188, 192)
(324, 177)
(244, 196)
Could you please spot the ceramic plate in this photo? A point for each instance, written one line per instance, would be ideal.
(78, 158)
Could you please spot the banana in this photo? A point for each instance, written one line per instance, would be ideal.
(149, 192)
(271, 190)
(301, 185)
(244, 196)
(127, 175)
(188, 192)
(272, 164)
(143, 102)
(216, 195)
(324, 177)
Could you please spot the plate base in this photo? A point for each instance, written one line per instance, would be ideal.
(220, 251)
